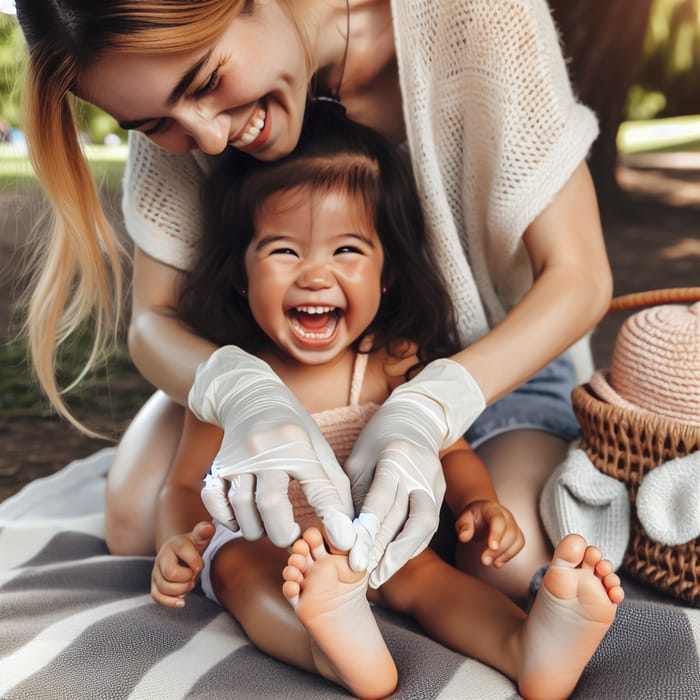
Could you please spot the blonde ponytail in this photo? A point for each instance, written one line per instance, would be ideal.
(77, 276)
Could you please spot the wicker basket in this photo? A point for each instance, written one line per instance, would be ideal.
(626, 444)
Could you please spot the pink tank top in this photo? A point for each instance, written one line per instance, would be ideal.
(340, 426)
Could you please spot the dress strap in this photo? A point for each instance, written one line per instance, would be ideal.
(358, 370)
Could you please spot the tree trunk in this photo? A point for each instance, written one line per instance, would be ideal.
(603, 41)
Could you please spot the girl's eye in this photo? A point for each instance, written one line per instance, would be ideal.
(347, 249)
(284, 251)
(209, 85)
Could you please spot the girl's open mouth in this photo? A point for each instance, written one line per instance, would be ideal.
(313, 324)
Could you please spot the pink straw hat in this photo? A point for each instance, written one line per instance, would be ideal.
(655, 366)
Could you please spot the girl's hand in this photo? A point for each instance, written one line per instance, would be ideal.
(178, 564)
(395, 470)
(493, 522)
(268, 439)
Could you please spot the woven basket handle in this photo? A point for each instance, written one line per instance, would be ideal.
(652, 297)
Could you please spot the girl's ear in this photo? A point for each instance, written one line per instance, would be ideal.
(388, 279)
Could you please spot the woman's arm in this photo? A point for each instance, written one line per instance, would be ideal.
(163, 349)
(570, 294)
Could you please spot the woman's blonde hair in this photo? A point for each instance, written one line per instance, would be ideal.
(77, 274)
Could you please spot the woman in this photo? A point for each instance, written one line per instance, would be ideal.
(479, 92)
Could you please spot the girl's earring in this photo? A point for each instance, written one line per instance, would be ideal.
(244, 292)
(383, 289)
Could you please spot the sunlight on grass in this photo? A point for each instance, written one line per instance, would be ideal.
(659, 135)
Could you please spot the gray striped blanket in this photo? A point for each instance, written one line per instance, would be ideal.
(76, 623)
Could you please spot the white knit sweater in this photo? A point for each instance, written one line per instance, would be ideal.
(494, 133)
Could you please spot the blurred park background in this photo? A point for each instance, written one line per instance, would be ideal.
(635, 62)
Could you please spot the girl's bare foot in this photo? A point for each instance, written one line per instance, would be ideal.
(330, 600)
(574, 608)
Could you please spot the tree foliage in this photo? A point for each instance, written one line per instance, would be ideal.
(92, 121)
(669, 73)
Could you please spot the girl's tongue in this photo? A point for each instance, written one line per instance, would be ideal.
(313, 323)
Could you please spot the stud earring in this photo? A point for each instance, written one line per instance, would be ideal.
(383, 290)
(244, 292)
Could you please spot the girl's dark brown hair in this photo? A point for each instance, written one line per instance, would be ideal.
(334, 153)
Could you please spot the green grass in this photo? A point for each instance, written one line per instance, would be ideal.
(115, 388)
(107, 163)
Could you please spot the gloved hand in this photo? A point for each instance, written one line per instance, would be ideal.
(268, 439)
(401, 498)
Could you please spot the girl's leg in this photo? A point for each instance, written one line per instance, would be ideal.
(330, 600)
(247, 576)
(520, 462)
(545, 652)
(140, 465)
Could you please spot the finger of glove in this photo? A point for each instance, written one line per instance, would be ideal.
(394, 522)
(381, 495)
(421, 525)
(272, 500)
(366, 527)
(336, 475)
(215, 499)
(241, 495)
(360, 468)
(326, 501)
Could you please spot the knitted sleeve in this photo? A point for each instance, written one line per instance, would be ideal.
(161, 201)
(494, 131)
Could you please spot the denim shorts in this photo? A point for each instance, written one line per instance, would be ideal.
(542, 403)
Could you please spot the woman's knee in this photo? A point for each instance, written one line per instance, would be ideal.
(141, 462)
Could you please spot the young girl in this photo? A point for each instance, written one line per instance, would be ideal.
(320, 262)
(478, 92)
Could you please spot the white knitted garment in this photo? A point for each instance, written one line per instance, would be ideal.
(494, 133)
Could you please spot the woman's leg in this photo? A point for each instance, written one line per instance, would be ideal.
(520, 462)
(142, 460)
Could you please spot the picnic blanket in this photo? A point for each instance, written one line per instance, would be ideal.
(78, 623)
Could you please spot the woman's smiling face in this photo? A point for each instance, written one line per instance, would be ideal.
(247, 89)
(314, 270)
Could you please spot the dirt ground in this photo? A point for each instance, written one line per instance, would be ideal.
(651, 232)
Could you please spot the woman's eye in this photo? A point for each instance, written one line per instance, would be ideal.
(158, 127)
(209, 85)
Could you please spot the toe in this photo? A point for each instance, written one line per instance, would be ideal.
(603, 568)
(300, 562)
(591, 558)
(314, 540)
(291, 591)
(292, 573)
(569, 552)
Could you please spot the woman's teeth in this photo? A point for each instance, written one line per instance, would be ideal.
(252, 129)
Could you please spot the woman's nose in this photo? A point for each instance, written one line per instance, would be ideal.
(209, 130)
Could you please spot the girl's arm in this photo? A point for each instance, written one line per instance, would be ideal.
(183, 529)
(471, 498)
(570, 294)
(163, 349)
(466, 477)
(180, 505)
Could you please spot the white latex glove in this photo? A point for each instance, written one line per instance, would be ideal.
(268, 439)
(402, 496)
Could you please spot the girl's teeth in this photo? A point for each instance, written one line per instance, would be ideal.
(315, 309)
(323, 335)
